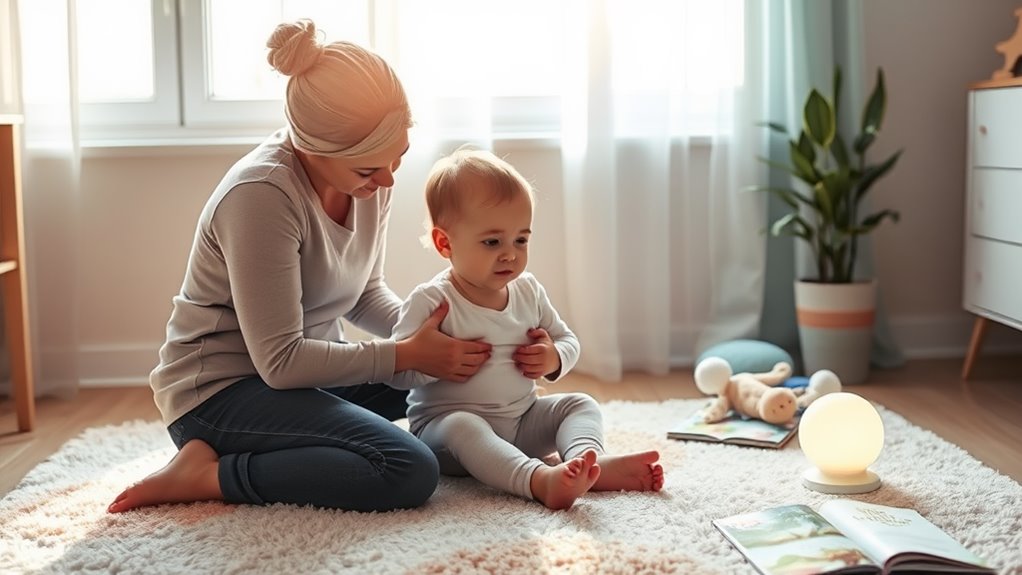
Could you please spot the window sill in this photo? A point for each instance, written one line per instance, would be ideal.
(196, 144)
(191, 144)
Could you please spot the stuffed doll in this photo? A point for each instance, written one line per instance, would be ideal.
(758, 395)
(748, 394)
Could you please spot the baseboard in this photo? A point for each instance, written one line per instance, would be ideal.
(920, 337)
(117, 365)
(926, 337)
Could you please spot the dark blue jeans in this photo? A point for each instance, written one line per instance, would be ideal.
(332, 447)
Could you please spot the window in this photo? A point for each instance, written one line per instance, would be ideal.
(127, 80)
(198, 67)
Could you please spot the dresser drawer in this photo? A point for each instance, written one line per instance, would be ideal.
(997, 204)
(993, 277)
(997, 128)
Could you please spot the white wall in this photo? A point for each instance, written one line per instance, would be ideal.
(138, 210)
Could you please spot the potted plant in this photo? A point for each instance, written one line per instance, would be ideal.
(834, 308)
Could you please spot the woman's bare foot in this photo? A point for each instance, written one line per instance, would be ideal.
(559, 486)
(630, 472)
(190, 476)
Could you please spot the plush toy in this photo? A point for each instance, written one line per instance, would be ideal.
(748, 394)
(758, 395)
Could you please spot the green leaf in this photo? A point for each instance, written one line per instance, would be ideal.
(837, 185)
(824, 206)
(819, 120)
(774, 126)
(863, 141)
(874, 220)
(786, 195)
(873, 114)
(837, 148)
(803, 166)
(873, 173)
(792, 225)
(784, 168)
(805, 146)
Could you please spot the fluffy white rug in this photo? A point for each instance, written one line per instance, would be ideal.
(55, 521)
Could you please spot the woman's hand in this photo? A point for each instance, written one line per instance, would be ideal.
(439, 355)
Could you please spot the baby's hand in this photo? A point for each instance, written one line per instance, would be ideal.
(538, 358)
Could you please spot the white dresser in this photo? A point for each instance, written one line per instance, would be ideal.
(993, 225)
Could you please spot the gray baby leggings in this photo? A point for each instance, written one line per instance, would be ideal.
(504, 452)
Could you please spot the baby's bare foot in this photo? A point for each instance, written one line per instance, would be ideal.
(630, 472)
(190, 476)
(559, 486)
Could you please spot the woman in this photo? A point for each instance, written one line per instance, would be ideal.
(262, 396)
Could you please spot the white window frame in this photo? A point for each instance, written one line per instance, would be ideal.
(183, 108)
(201, 111)
(183, 111)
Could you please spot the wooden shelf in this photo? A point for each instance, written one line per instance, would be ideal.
(987, 84)
(12, 272)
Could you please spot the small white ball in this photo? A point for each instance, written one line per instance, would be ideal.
(712, 374)
(825, 381)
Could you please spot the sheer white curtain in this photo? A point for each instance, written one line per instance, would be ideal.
(44, 31)
(665, 253)
(655, 139)
(640, 108)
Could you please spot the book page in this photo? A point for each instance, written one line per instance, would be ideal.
(793, 540)
(885, 531)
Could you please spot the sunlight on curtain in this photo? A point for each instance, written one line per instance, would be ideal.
(51, 165)
(639, 108)
(737, 242)
(10, 67)
(654, 155)
(644, 101)
(475, 69)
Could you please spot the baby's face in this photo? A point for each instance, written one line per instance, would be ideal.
(489, 242)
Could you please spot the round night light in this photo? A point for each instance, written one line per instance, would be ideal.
(842, 435)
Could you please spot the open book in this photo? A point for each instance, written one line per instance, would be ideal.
(846, 536)
(733, 429)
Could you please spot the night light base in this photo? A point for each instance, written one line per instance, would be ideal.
(864, 482)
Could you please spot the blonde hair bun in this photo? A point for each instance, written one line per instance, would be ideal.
(294, 47)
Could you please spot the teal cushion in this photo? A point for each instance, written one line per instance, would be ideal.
(748, 355)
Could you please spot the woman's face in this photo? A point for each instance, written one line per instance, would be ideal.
(357, 178)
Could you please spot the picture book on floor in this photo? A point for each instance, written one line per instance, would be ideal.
(846, 536)
(733, 429)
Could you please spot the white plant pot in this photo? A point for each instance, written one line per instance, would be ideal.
(835, 327)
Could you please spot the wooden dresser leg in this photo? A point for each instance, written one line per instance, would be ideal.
(979, 328)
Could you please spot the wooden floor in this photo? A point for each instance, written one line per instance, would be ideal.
(981, 415)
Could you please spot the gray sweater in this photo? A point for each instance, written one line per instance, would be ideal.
(269, 278)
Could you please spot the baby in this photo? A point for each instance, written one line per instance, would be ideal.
(495, 426)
